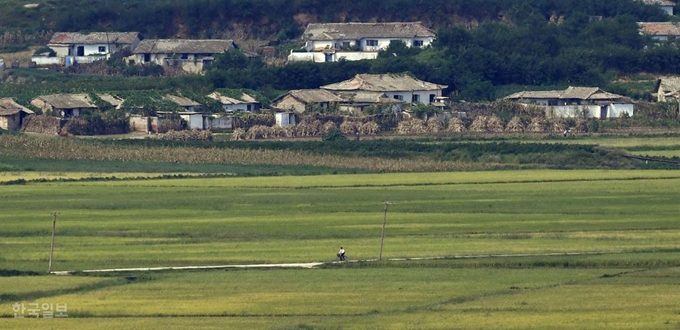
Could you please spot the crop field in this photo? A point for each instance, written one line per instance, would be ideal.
(620, 228)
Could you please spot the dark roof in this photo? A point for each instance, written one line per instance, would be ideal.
(94, 38)
(579, 93)
(181, 101)
(68, 101)
(243, 99)
(665, 3)
(383, 83)
(10, 107)
(311, 96)
(353, 31)
(183, 46)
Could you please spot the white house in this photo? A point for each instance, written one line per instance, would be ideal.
(666, 5)
(299, 100)
(190, 54)
(244, 102)
(185, 103)
(577, 102)
(330, 42)
(660, 31)
(284, 119)
(397, 86)
(76, 47)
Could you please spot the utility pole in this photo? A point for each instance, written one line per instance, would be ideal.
(54, 227)
(382, 236)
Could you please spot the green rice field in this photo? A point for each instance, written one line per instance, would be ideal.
(512, 249)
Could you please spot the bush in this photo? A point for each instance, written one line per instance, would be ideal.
(334, 135)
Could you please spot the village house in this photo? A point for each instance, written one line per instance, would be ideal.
(577, 102)
(300, 100)
(667, 89)
(12, 114)
(75, 47)
(331, 42)
(356, 102)
(194, 119)
(190, 54)
(64, 105)
(660, 31)
(243, 102)
(397, 86)
(666, 5)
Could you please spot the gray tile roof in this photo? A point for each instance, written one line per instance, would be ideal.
(181, 101)
(68, 38)
(68, 101)
(383, 83)
(669, 84)
(353, 31)
(183, 46)
(243, 99)
(312, 96)
(578, 93)
(10, 107)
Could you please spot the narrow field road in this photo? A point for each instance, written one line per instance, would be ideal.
(319, 263)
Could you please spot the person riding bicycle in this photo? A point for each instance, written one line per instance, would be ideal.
(341, 254)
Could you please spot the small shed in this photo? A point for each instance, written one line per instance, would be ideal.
(284, 119)
(12, 114)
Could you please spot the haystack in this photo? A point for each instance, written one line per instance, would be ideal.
(495, 124)
(238, 134)
(369, 128)
(434, 125)
(411, 126)
(308, 128)
(537, 125)
(479, 124)
(581, 125)
(557, 125)
(328, 126)
(515, 125)
(349, 127)
(456, 125)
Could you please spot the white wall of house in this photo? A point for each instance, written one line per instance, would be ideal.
(194, 120)
(224, 122)
(239, 107)
(44, 60)
(605, 111)
(320, 57)
(284, 119)
(616, 110)
(366, 44)
(420, 96)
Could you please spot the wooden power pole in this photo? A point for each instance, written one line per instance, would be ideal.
(382, 236)
(54, 227)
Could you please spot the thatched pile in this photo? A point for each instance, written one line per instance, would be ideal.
(369, 128)
(41, 124)
(581, 125)
(515, 125)
(411, 126)
(192, 135)
(537, 125)
(328, 126)
(557, 125)
(479, 124)
(238, 134)
(349, 127)
(308, 128)
(434, 125)
(456, 125)
(495, 124)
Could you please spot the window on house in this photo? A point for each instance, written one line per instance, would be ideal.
(185, 56)
(432, 96)
(399, 97)
(345, 44)
(371, 42)
(415, 98)
(102, 49)
(417, 43)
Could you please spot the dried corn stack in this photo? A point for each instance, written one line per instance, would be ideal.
(515, 125)
(411, 127)
(369, 128)
(557, 125)
(479, 124)
(456, 125)
(434, 125)
(349, 127)
(238, 134)
(495, 124)
(538, 125)
(581, 125)
(257, 132)
(328, 126)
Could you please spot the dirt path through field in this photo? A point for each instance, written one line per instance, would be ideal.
(319, 263)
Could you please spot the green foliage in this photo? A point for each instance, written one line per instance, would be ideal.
(334, 135)
(45, 50)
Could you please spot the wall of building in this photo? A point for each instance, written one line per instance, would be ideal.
(423, 96)
(284, 119)
(363, 43)
(320, 57)
(140, 123)
(44, 60)
(224, 122)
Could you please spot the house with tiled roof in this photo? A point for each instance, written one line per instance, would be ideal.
(330, 42)
(185, 103)
(192, 55)
(64, 105)
(397, 86)
(76, 47)
(231, 103)
(12, 114)
(661, 31)
(576, 102)
(300, 100)
(667, 89)
(666, 5)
